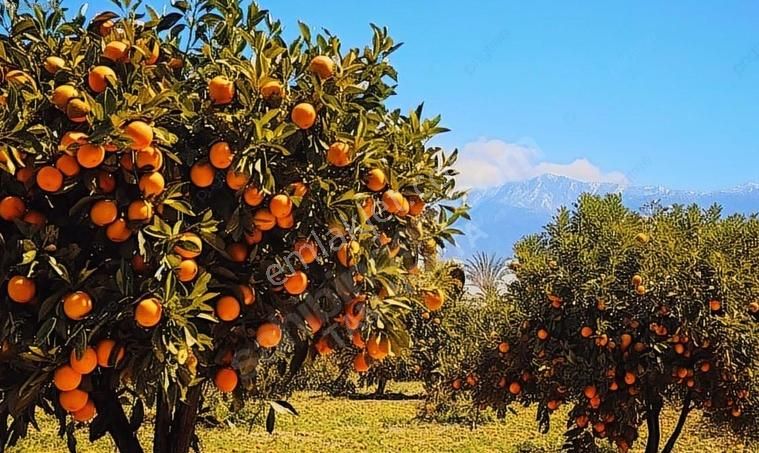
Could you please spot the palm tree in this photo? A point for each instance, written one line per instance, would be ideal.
(486, 273)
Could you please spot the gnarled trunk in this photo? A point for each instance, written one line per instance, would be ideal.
(670, 445)
(118, 426)
(175, 430)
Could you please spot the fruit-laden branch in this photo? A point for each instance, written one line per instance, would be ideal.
(670, 445)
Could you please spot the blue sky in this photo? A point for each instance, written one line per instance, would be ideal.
(662, 93)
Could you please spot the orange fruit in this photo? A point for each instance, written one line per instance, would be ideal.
(50, 179)
(360, 363)
(118, 231)
(54, 64)
(590, 392)
(140, 133)
(35, 218)
(586, 332)
(104, 29)
(149, 158)
(73, 400)
(116, 51)
(221, 90)
(368, 207)
(640, 290)
(433, 300)
(85, 414)
(227, 308)
(715, 305)
(21, 289)
(77, 110)
(225, 380)
(221, 155)
(106, 182)
(637, 280)
(306, 251)
(248, 296)
(77, 305)
(347, 252)
(272, 90)
(286, 222)
(238, 252)
(65, 378)
(313, 321)
(90, 156)
(416, 205)
(127, 161)
(296, 283)
(254, 237)
(187, 271)
(85, 364)
(202, 174)
(404, 208)
(12, 208)
(515, 388)
(630, 378)
(62, 95)
(376, 180)
(236, 180)
(188, 246)
(151, 184)
(323, 347)
(504, 347)
(68, 165)
(322, 66)
(104, 212)
(378, 347)
(253, 196)
(148, 312)
(303, 115)
(281, 206)
(339, 154)
(104, 351)
(298, 189)
(24, 175)
(139, 211)
(268, 335)
(392, 201)
(264, 220)
(355, 311)
(581, 421)
(100, 77)
(357, 340)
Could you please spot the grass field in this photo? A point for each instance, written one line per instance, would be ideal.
(339, 424)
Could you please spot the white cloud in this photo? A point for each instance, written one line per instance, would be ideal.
(488, 163)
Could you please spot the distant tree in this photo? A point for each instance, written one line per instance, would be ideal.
(486, 273)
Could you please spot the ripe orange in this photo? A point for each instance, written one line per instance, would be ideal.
(225, 380)
(346, 254)
(280, 206)
(630, 378)
(715, 305)
(68, 165)
(323, 347)
(268, 335)
(54, 64)
(202, 174)
(104, 351)
(221, 155)
(456, 384)
(303, 115)
(581, 421)
(85, 364)
(272, 90)
(140, 133)
(253, 196)
(12, 208)
(378, 347)
(248, 296)
(264, 220)
(104, 212)
(35, 218)
(313, 321)
(753, 308)
(625, 341)
(85, 414)
(296, 283)
(148, 312)
(286, 222)
(433, 300)
(586, 332)
(254, 237)
(368, 207)
(357, 340)
(118, 231)
(221, 90)
(62, 95)
(637, 280)
(187, 271)
(306, 250)
(50, 179)
(322, 66)
(236, 180)
(404, 208)
(77, 305)
(641, 290)
(590, 392)
(77, 110)
(139, 211)
(227, 308)
(24, 175)
(73, 400)
(360, 363)
(65, 378)
(515, 388)
(552, 405)
(100, 77)
(298, 189)
(149, 158)
(90, 156)
(21, 289)
(504, 347)
(392, 201)
(416, 205)
(705, 367)
(116, 51)
(151, 184)
(376, 180)
(238, 252)
(339, 154)
(188, 246)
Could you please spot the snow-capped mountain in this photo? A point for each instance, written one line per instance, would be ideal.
(501, 215)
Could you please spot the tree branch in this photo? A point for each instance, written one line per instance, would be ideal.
(680, 424)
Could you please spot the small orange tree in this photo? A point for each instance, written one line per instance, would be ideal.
(618, 313)
(188, 197)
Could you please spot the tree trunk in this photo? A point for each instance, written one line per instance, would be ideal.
(185, 417)
(653, 414)
(680, 424)
(107, 403)
(3, 430)
(162, 430)
(381, 386)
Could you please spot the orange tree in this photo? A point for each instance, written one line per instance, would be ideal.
(187, 198)
(619, 313)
